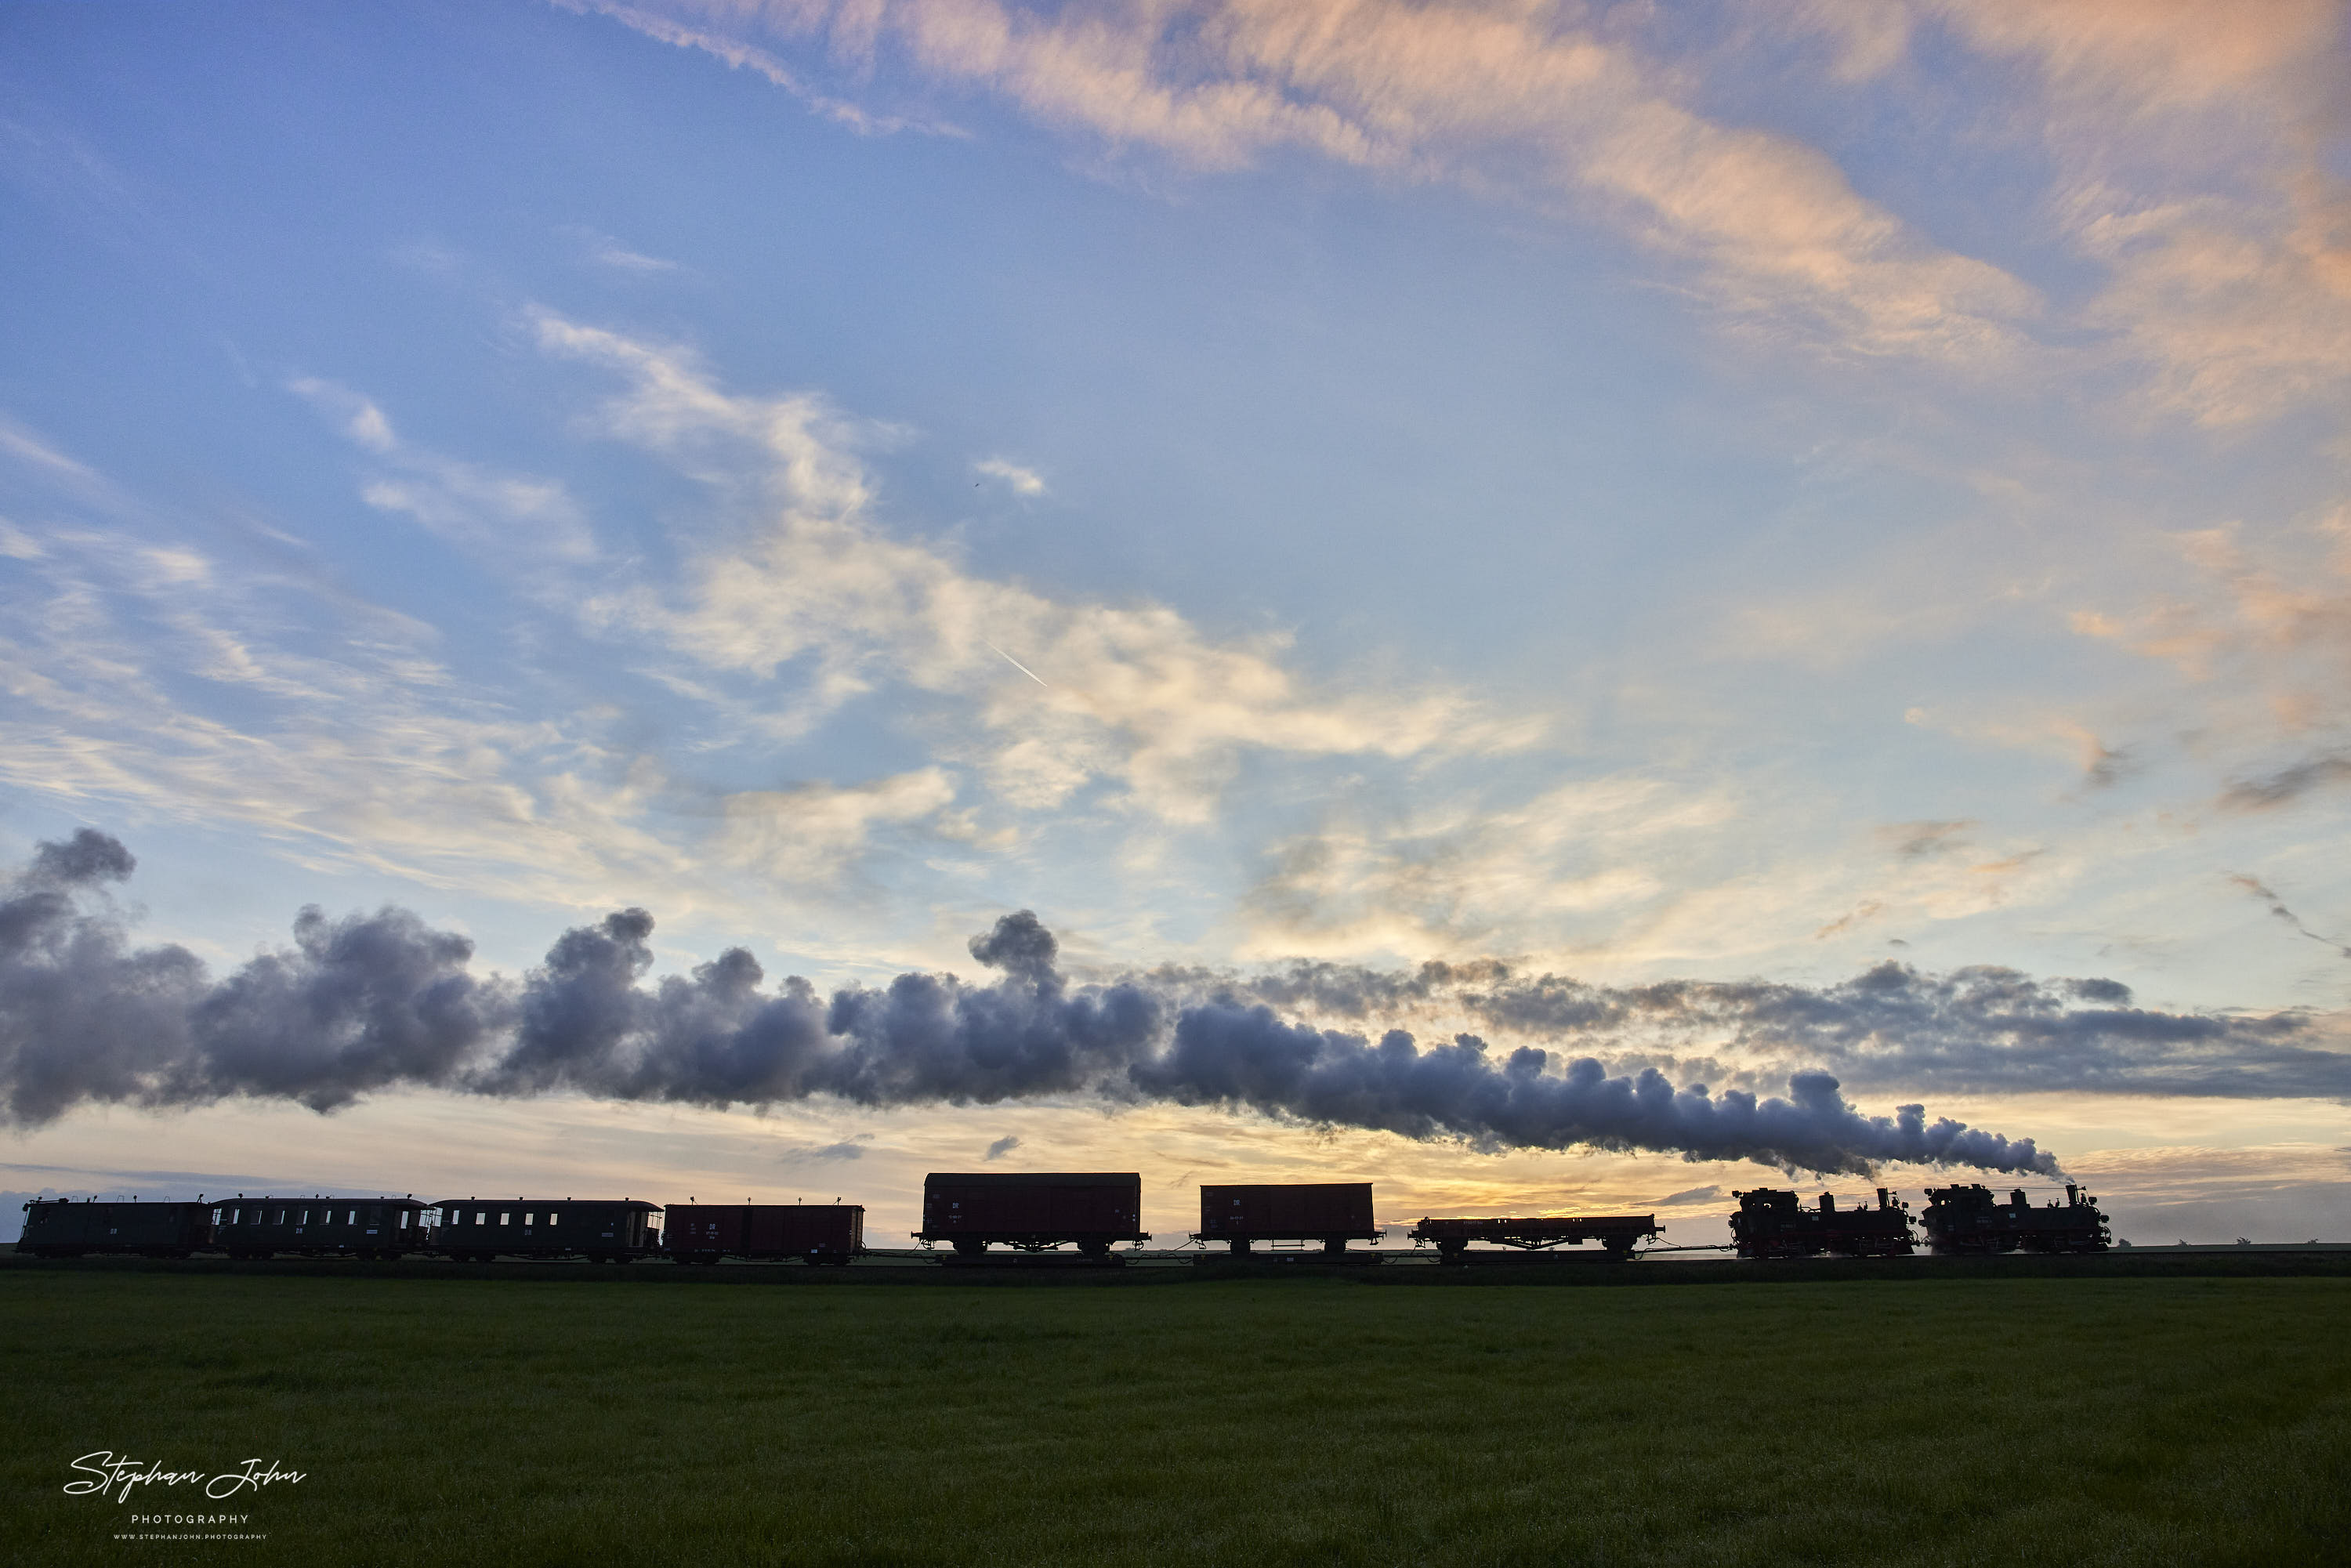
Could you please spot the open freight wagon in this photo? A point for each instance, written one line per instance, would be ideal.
(817, 1233)
(1616, 1233)
(1032, 1211)
(1330, 1213)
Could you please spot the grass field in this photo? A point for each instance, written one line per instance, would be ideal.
(517, 1421)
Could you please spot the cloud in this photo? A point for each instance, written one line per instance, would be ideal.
(1917, 840)
(1023, 481)
(1531, 104)
(1001, 1148)
(1693, 1194)
(2277, 908)
(368, 1003)
(1134, 695)
(2258, 631)
(852, 1148)
(501, 517)
(605, 251)
(1975, 1030)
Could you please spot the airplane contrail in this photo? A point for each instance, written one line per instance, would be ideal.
(1019, 666)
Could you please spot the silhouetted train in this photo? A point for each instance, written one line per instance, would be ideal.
(1969, 1219)
(1770, 1223)
(1028, 1212)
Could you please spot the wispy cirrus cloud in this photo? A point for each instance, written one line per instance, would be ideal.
(510, 517)
(1551, 106)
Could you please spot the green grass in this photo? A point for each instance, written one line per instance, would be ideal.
(517, 1421)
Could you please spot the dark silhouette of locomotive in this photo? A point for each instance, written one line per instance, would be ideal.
(1969, 1219)
(1770, 1223)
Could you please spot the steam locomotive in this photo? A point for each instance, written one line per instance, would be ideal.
(1028, 1212)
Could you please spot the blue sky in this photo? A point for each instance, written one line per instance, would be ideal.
(1733, 495)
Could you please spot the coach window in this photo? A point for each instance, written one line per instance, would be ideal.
(480, 1217)
(528, 1218)
(217, 1213)
(505, 1217)
(552, 1216)
(352, 1217)
(403, 1219)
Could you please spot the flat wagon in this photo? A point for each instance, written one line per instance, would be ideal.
(1033, 1211)
(1971, 1219)
(1616, 1233)
(603, 1230)
(829, 1233)
(317, 1226)
(1332, 1213)
(1772, 1223)
(60, 1228)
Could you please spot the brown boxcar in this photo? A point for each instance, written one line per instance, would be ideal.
(1333, 1213)
(60, 1228)
(1614, 1232)
(1034, 1210)
(820, 1232)
(476, 1229)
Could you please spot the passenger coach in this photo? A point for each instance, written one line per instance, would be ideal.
(476, 1229)
(315, 1226)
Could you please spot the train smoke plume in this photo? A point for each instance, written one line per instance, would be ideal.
(369, 1002)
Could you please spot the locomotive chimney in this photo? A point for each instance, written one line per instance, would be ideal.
(2072, 1201)
(2017, 1198)
(1828, 1203)
(1881, 1201)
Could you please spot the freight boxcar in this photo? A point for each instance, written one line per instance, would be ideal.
(60, 1228)
(317, 1226)
(603, 1230)
(819, 1232)
(1033, 1211)
(1333, 1213)
(1969, 1219)
(1772, 1223)
(1616, 1233)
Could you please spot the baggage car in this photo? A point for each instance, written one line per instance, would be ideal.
(829, 1233)
(1033, 1211)
(603, 1230)
(60, 1228)
(1332, 1213)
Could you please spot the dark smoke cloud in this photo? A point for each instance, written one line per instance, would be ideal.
(371, 1002)
(1226, 1053)
(1974, 1031)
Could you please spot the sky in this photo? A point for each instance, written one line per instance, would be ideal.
(1798, 553)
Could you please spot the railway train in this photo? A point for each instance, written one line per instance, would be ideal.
(1028, 1212)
